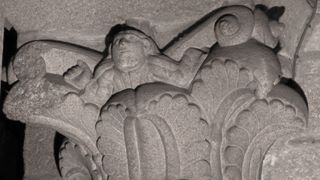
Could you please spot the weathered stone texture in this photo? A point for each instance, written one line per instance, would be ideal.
(220, 112)
(39, 153)
(294, 157)
(308, 70)
(87, 22)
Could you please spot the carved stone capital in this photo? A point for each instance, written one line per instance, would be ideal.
(218, 112)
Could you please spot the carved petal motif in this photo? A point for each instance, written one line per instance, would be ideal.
(155, 137)
(249, 133)
(76, 163)
(111, 141)
(162, 132)
(215, 81)
(188, 130)
(219, 88)
(240, 122)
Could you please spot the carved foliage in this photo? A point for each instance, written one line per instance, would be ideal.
(219, 88)
(111, 141)
(243, 126)
(244, 141)
(220, 129)
(188, 129)
(217, 79)
(76, 163)
(166, 139)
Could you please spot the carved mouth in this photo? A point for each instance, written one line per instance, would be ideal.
(123, 51)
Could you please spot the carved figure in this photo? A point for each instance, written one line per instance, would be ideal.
(217, 121)
(135, 59)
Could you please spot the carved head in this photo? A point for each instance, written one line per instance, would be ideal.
(130, 49)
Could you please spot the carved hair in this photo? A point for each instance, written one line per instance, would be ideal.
(149, 43)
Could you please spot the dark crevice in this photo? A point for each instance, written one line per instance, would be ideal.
(294, 85)
(9, 45)
(11, 132)
(273, 13)
(58, 140)
(277, 48)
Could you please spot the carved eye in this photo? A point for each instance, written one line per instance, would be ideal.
(131, 38)
(121, 41)
(116, 40)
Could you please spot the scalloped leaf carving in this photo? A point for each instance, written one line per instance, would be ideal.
(253, 159)
(216, 80)
(111, 142)
(240, 131)
(189, 131)
(219, 88)
(75, 162)
(167, 140)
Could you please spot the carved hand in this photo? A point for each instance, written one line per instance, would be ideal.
(99, 89)
(78, 75)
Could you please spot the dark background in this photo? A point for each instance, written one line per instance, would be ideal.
(11, 132)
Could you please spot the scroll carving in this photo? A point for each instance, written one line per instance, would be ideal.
(139, 114)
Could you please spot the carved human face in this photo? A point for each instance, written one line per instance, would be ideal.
(128, 51)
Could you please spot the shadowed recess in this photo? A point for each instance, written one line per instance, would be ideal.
(294, 85)
(273, 13)
(11, 132)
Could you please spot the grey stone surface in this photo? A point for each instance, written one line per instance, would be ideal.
(293, 157)
(307, 70)
(299, 12)
(88, 22)
(185, 113)
(38, 153)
